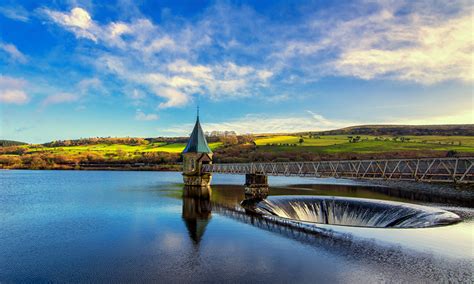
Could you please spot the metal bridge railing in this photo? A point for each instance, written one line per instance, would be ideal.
(459, 170)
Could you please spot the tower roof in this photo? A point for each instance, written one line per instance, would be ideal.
(197, 142)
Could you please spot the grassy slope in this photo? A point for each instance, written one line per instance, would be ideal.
(326, 144)
(113, 148)
(339, 144)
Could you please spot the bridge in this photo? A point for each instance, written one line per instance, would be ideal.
(454, 170)
(198, 168)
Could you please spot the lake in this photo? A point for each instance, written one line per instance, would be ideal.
(135, 226)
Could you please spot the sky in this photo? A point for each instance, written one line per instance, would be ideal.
(76, 69)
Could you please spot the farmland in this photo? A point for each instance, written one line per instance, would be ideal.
(97, 153)
(366, 143)
(111, 149)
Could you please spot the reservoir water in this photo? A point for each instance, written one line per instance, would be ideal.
(85, 226)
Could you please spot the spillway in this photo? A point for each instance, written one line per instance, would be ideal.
(358, 212)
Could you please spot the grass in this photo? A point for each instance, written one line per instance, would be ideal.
(114, 148)
(367, 144)
(325, 144)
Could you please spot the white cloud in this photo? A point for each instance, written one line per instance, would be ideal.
(460, 117)
(78, 21)
(159, 44)
(264, 74)
(59, 98)
(140, 115)
(435, 52)
(269, 124)
(184, 67)
(150, 58)
(13, 97)
(421, 44)
(173, 96)
(260, 124)
(212, 55)
(118, 29)
(89, 85)
(13, 52)
(15, 13)
(12, 90)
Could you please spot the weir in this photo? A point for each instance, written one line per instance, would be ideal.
(358, 212)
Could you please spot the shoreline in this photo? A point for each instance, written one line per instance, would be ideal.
(157, 168)
(456, 194)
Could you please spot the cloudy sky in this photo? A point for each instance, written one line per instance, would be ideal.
(71, 69)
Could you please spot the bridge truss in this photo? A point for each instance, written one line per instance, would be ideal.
(458, 170)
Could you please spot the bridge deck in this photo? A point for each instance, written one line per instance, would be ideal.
(459, 170)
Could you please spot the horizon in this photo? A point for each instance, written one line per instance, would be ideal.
(88, 69)
(191, 125)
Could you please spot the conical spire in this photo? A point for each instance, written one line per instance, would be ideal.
(197, 142)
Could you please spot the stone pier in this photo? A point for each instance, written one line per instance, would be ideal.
(197, 179)
(256, 186)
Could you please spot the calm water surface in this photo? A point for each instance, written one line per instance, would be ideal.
(124, 226)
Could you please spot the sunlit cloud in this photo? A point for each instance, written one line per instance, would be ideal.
(140, 115)
(312, 121)
(12, 90)
(269, 124)
(432, 52)
(422, 45)
(176, 81)
(460, 117)
(78, 21)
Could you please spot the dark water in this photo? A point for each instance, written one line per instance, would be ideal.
(123, 226)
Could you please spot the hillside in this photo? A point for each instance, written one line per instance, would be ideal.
(398, 130)
(164, 154)
(6, 143)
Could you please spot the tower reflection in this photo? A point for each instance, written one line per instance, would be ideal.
(196, 211)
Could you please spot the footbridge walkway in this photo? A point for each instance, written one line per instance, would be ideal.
(454, 170)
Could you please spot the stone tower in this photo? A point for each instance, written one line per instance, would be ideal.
(196, 154)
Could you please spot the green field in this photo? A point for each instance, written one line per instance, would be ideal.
(264, 148)
(322, 144)
(114, 148)
(366, 144)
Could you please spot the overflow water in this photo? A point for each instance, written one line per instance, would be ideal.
(358, 212)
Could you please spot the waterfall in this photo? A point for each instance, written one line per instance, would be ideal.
(357, 212)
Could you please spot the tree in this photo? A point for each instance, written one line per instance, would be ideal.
(301, 141)
(229, 140)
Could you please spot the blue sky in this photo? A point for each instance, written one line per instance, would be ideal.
(71, 69)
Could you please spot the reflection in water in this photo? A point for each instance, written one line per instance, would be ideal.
(196, 211)
(49, 234)
(366, 251)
